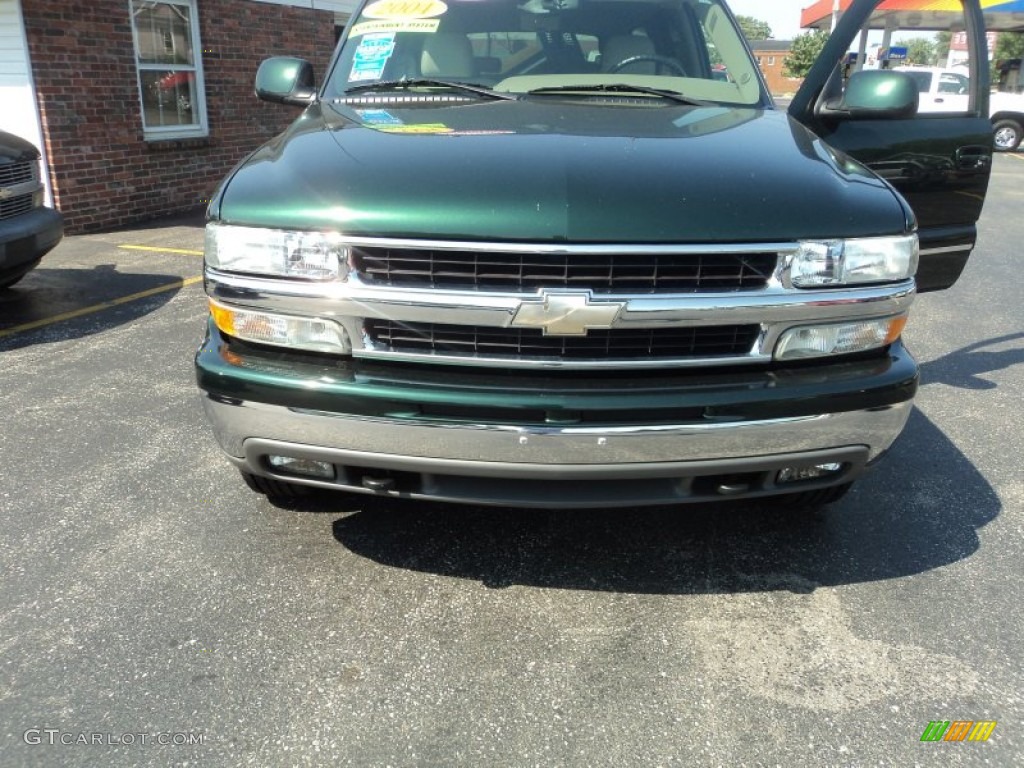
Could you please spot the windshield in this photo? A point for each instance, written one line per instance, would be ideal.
(546, 47)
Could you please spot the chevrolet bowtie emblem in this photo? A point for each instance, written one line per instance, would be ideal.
(566, 314)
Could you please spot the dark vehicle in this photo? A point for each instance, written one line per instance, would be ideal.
(28, 229)
(538, 252)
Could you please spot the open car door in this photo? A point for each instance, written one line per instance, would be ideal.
(939, 161)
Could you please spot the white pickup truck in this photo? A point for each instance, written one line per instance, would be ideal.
(946, 90)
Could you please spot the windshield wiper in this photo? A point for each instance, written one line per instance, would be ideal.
(426, 82)
(622, 88)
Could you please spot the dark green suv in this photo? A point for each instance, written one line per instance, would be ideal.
(28, 228)
(541, 252)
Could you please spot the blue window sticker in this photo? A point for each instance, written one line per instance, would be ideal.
(378, 117)
(372, 56)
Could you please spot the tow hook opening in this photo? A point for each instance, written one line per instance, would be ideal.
(734, 484)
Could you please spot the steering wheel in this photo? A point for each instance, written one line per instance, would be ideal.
(670, 63)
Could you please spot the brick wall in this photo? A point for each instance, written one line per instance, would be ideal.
(104, 174)
(772, 62)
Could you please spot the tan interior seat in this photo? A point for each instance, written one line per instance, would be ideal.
(622, 47)
(447, 54)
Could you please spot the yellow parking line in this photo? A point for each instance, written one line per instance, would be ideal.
(1015, 156)
(156, 249)
(99, 307)
(972, 194)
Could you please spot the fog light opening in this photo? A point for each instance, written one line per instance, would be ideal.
(292, 465)
(803, 474)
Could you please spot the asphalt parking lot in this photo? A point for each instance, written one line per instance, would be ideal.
(149, 597)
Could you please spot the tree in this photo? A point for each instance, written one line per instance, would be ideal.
(806, 49)
(1010, 45)
(942, 42)
(920, 51)
(754, 29)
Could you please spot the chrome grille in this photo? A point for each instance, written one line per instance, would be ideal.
(17, 173)
(598, 272)
(614, 343)
(15, 206)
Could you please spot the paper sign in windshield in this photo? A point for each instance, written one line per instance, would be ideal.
(432, 129)
(422, 128)
(404, 9)
(428, 26)
(371, 57)
(377, 117)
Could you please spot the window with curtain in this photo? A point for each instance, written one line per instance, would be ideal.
(166, 36)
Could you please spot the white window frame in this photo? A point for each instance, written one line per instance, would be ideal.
(200, 129)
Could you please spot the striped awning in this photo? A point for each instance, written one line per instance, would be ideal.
(1000, 15)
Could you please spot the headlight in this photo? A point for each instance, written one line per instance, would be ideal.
(854, 262)
(839, 338)
(312, 333)
(277, 252)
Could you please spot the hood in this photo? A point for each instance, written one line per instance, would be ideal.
(14, 149)
(554, 170)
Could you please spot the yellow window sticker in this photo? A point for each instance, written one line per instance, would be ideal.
(409, 25)
(422, 128)
(404, 9)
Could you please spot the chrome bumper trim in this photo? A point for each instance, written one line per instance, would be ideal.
(613, 448)
(947, 249)
(554, 468)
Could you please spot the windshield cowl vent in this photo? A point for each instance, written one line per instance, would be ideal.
(406, 98)
(591, 100)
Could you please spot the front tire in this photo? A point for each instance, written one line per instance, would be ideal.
(23, 270)
(4, 284)
(1007, 135)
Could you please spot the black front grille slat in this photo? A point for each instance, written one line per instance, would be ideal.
(600, 273)
(16, 173)
(613, 343)
(15, 206)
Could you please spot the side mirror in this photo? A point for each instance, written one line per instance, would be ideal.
(286, 80)
(873, 94)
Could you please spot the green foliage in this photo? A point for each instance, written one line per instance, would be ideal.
(942, 43)
(806, 49)
(754, 29)
(920, 51)
(1010, 45)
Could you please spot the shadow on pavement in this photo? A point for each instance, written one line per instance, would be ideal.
(47, 293)
(966, 367)
(919, 509)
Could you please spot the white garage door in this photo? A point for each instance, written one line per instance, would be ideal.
(20, 113)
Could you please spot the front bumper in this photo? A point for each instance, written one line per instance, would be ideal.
(547, 440)
(25, 239)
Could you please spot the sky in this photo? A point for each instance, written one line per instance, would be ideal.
(783, 16)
